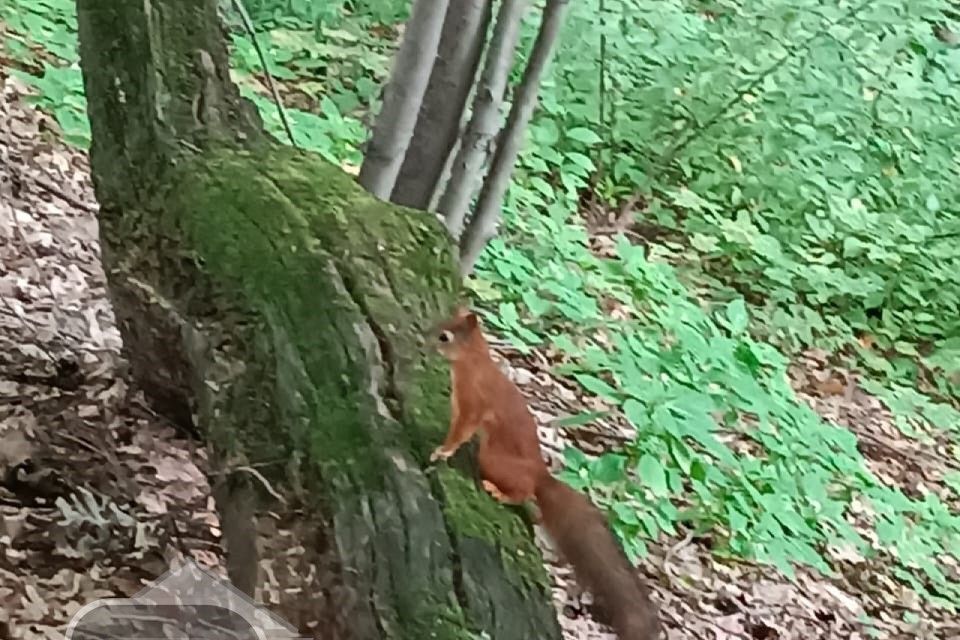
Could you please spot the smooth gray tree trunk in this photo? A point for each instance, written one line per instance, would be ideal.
(402, 99)
(483, 224)
(441, 114)
(467, 168)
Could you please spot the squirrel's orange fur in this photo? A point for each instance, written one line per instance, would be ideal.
(484, 400)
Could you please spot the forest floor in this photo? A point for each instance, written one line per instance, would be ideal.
(102, 494)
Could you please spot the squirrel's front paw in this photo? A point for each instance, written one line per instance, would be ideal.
(440, 454)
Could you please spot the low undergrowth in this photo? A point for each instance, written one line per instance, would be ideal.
(795, 163)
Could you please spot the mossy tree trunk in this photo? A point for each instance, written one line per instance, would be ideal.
(265, 299)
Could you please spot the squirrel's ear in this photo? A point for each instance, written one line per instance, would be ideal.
(465, 317)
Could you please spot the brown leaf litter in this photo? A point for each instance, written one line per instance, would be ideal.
(99, 494)
(104, 494)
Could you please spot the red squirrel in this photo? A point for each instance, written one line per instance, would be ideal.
(512, 469)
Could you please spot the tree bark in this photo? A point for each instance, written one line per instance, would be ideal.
(485, 122)
(438, 126)
(403, 96)
(268, 300)
(483, 224)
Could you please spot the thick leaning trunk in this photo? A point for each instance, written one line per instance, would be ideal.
(266, 298)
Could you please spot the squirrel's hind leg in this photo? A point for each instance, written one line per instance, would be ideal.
(508, 479)
(495, 492)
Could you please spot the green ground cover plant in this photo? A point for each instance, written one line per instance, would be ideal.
(797, 184)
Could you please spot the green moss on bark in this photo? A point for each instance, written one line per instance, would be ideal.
(475, 514)
(318, 302)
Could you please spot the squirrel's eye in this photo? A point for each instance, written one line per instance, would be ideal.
(445, 336)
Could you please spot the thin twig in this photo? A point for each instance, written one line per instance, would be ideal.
(53, 189)
(681, 623)
(80, 441)
(266, 484)
(614, 230)
(248, 25)
(673, 549)
(626, 209)
(34, 259)
(31, 325)
(919, 457)
(602, 89)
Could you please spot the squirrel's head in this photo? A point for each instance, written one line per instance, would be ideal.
(460, 330)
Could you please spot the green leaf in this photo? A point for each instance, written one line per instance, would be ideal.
(329, 108)
(651, 472)
(737, 522)
(575, 458)
(636, 413)
(581, 161)
(650, 525)
(704, 243)
(542, 186)
(854, 247)
(736, 313)
(597, 386)
(608, 468)
(626, 514)
(745, 355)
(689, 200)
(580, 419)
(584, 135)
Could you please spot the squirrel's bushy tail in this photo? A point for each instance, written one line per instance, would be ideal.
(580, 533)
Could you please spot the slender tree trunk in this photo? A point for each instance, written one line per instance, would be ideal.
(485, 122)
(266, 298)
(403, 97)
(444, 178)
(438, 126)
(483, 224)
